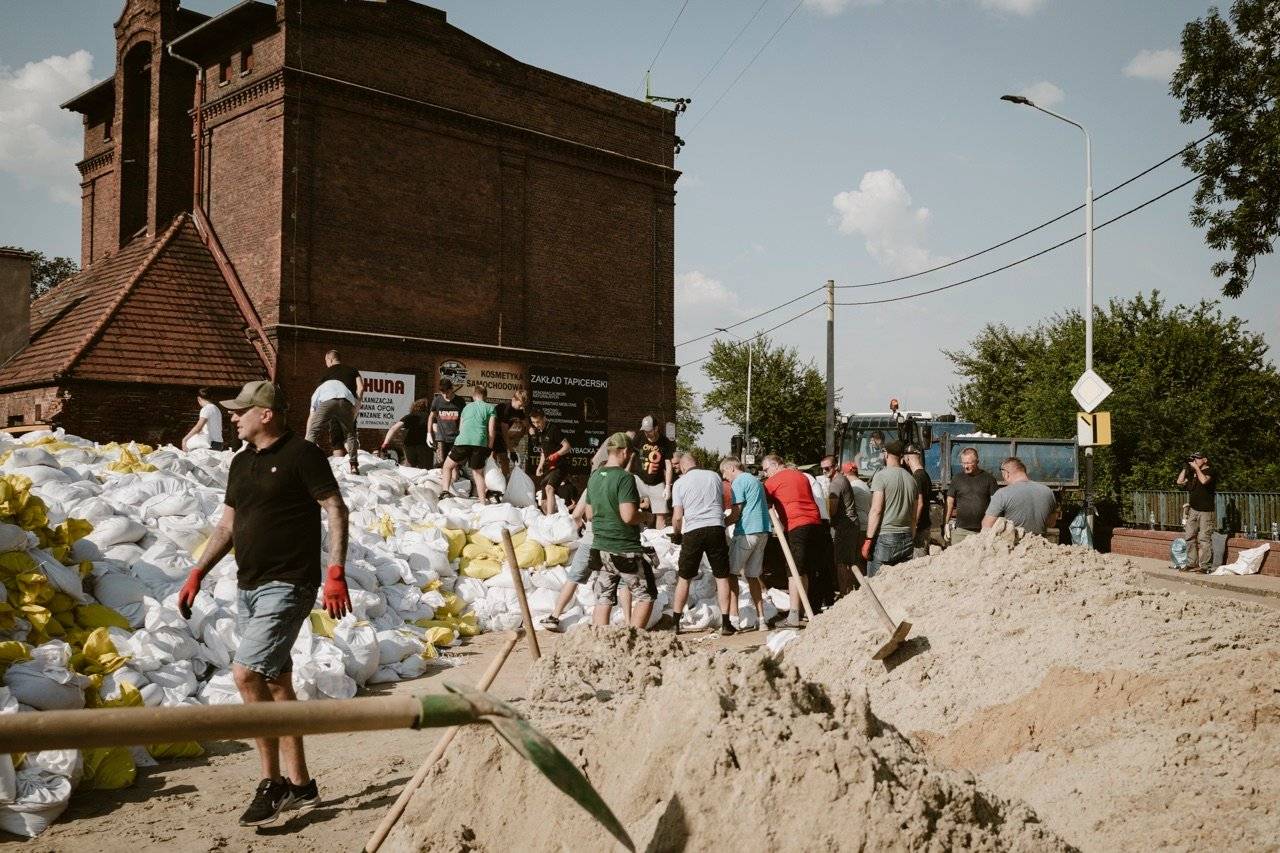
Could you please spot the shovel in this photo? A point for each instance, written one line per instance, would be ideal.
(897, 633)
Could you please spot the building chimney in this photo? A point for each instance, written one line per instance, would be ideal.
(15, 301)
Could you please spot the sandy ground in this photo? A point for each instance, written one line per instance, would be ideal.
(194, 805)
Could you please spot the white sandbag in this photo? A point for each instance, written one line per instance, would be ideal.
(199, 441)
(520, 488)
(22, 457)
(41, 798)
(116, 530)
(494, 481)
(469, 589)
(542, 602)
(63, 578)
(44, 682)
(167, 559)
(367, 605)
(188, 532)
(14, 538)
(394, 646)
(359, 645)
(384, 675)
(221, 690)
(553, 529)
(40, 474)
(779, 640)
(411, 667)
(178, 677)
(121, 593)
(1246, 563)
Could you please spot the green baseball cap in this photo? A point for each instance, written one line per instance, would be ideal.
(617, 441)
(260, 394)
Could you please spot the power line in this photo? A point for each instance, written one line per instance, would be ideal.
(1039, 227)
(750, 62)
(725, 52)
(713, 332)
(968, 257)
(667, 37)
(1012, 264)
(760, 335)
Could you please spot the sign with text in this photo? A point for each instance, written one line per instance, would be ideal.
(1093, 429)
(501, 378)
(387, 398)
(577, 401)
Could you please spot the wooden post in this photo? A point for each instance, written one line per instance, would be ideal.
(791, 561)
(524, 601)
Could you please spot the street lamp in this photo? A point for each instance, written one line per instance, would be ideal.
(746, 429)
(1088, 278)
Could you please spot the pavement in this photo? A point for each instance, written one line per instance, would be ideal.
(1263, 589)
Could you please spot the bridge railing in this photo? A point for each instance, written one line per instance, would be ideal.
(1254, 514)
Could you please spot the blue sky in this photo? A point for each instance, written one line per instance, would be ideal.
(866, 141)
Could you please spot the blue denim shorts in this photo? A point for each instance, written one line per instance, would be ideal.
(268, 619)
(579, 570)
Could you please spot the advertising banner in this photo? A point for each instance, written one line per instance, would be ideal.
(502, 378)
(577, 401)
(387, 398)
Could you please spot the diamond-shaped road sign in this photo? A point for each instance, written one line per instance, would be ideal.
(1090, 390)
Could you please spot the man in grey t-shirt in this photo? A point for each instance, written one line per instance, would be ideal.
(1026, 503)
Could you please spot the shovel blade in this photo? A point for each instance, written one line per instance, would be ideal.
(890, 647)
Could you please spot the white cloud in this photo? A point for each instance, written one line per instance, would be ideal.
(1044, 94)
(1156, 65)
(880, 209)
(696, 291)
(1013, 7)
(835, 7)
(39, 142)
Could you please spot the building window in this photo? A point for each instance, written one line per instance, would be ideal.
(224, 72)
(106, 128)
(246, 60)
(15, 420)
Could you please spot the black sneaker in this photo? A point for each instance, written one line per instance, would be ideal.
(268, 802)
(302, 797)
(727, 630)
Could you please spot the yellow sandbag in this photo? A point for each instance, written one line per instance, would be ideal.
(100, 616)
(65, 618)
(43, 626)
(14, 563)
(475, 551)
(61, 603)
(185, 749)
(557, 555)
(12, 651)
(479, 569)
(34, 588)
(530, 553)
(100, 653)
(439, 632)
(108, 768)
(518, 538)
(384, 527)
(131, 462)
(8, 617)
(129, 697)
(429, 652)
(466, 625)
(457, 541)
(453, 605)
(435, 584)
(484, 542)
(322, 624)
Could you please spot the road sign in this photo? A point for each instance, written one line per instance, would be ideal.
(1090, 390)
(1093, 429)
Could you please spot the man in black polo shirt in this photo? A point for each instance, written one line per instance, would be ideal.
(271, 518)
(552, 473)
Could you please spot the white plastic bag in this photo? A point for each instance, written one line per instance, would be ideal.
(41, 798)
(493, 479)
(1247, 562)
(359, 645)
(520, 489)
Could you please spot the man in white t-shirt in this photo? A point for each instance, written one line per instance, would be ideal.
(698, 498)
(208, 425)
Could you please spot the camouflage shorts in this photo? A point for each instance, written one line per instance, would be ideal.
(634, 569)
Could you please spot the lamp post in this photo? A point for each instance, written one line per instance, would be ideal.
(1088, 278)
(746, 429)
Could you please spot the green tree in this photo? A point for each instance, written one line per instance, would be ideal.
(708, 459)
(46, 271)
(1230, 77)
(788, 397)
(688, 416)
(1186, 378)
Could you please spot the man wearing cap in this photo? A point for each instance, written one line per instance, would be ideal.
(896, 503)
(270, 516)
(1201, 484)
(654, 469)
(914, 461)
(335, 403)
(617, 557)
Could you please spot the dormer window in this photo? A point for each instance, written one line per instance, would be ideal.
(246, 60)
(224, 72)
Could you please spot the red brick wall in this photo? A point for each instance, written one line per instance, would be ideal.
(149, 414)
(1155, 544)
(35, 405)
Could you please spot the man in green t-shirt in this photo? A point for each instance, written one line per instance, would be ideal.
(613, 506)
(896, 503)
(476, 431)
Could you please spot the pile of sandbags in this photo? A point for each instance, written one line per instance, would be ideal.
(97, 540)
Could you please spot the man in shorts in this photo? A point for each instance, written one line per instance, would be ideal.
(335, 404)
(271, 517)
(654, 469)
(442, 423)
(749, 515)
(845, 527)
(616, 556)
(698, 516)
(791, 495)
(552, 474)
(477, 431)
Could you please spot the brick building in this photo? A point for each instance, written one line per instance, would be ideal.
(367, 178)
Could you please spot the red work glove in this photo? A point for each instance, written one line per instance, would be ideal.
(867, 545)
(190, 590)
(337, 601)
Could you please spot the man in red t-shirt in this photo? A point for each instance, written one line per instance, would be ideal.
(791, 495)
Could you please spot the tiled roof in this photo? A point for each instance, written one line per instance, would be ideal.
(158, 311)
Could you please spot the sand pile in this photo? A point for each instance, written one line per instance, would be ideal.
(697, 753)
(1125, 716)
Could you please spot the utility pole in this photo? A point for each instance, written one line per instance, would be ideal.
(831, 366)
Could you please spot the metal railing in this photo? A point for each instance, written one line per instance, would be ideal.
(1253, 514)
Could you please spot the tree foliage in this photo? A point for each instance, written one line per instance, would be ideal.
(1185, 379)
(1230, 77)
(46, 271)
(708, 459)
(788, 397)
(688, 416)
